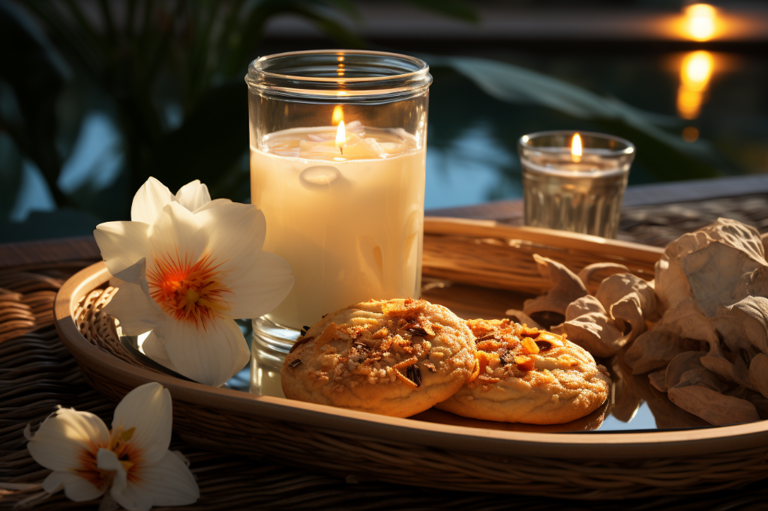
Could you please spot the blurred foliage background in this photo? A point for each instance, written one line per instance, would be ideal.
(162, 81)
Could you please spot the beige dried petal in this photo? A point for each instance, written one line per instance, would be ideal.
(671, 284)
(712, 406)
(589, 326)
(617, 287)
(655, 349)
(681, 364)
(702, 377)
(744, 325)
(737, 235)
(714, 274)
(657, 379)
(593, 274)
(758, 374)
(522, 318)
(566, 287)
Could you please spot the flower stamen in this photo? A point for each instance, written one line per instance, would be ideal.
(188, 292)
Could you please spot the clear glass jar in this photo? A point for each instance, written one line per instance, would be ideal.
(344, 205)
(574, 192)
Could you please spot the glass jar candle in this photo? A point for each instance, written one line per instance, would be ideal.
(574, 181)
(338, 150)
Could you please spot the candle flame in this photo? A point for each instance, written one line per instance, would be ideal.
(701, 21)
(341, 137)
(576, 148)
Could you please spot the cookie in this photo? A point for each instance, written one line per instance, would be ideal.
(395, 357)
(530, 376)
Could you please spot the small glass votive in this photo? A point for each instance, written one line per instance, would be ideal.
(574, 181)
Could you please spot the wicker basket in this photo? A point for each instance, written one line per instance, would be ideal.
(421, 453)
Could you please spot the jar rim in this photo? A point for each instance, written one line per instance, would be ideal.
(524, 142)
(256, 67)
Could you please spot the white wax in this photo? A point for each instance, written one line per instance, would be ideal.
(350, 224)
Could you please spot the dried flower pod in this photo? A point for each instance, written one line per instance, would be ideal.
(566, 287)
(593, 274)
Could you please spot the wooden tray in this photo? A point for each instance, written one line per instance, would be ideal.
(418, 452)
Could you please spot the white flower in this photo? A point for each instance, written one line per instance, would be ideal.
(192, 266)
(131, 461)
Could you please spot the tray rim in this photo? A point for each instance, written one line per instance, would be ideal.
(587, 446)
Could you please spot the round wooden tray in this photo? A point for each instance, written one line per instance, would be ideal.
(568, 465)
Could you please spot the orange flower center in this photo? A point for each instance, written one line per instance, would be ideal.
(192, 293)
(127, 453)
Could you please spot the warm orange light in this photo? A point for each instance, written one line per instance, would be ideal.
(690, 134)
(695, 74)
(576, 148)
(338, 115)
(341, 137)
(701, 21)
(697, 70)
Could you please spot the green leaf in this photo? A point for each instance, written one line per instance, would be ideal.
(670, 156)
(454, 8)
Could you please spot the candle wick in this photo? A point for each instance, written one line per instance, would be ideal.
(341, 150)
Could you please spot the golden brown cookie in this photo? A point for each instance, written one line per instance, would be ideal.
(528, 375)
(396, 357)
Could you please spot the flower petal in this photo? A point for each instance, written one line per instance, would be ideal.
(154, 347)
(122, 244)
(107, 460)
(149, 201)
(147, 408)
(262, 288)
(193, 195)
(211, 356)
(166, 483)
(215, 203)
(236, 234)
(176, 236)
(136, 311)
(63, 436)
(76, 488)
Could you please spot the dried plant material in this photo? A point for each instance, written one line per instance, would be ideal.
(734, 368)
(714, 272)
(616, 287)
(658, 380)
(594, 274)
(754, 284)
(629, 301)
(712, 406)
(655, 349)
(744, 325)
(680, 365)
(758, 374)
(671, 284)
(522, 318)
(589, 326)
(566, 287)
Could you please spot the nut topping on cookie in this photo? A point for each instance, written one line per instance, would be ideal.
(406, 347)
